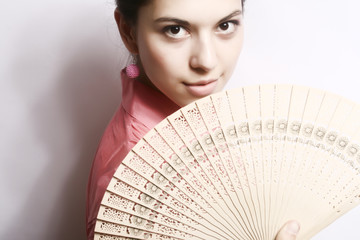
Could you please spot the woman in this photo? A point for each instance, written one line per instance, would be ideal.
(184, 50)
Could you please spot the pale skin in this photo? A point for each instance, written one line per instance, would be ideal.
(188, 51)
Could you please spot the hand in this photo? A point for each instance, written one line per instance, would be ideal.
(288, 231)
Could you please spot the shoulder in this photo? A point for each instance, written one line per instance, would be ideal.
(121, 134)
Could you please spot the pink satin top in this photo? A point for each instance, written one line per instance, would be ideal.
(142, 107)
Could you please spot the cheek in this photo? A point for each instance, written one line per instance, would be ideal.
(157, 60)
(231, 53)
(150, 57)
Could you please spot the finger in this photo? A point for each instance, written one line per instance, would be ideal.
(288, 231)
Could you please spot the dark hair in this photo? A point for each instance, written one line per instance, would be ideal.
(129, 8)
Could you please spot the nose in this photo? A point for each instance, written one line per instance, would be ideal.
(204, 57)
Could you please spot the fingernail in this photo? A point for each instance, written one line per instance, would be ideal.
(293, 228)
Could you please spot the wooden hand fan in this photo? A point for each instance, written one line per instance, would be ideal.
(238, 165)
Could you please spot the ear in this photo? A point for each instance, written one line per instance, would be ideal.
(127, 32)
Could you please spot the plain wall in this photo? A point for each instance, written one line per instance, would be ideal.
(59, 76)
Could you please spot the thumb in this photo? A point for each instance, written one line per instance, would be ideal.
(288, 231)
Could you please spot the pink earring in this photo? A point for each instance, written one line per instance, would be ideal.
(132, 71)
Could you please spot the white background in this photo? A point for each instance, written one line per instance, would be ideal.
(59, 76)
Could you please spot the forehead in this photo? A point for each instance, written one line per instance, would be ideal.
(191, 10)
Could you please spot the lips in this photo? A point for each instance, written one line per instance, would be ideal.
(201, 88)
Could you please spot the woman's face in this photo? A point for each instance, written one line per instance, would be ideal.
(189, 48)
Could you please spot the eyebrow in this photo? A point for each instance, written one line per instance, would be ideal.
(175, 20)
(231, 15)
(186, 23)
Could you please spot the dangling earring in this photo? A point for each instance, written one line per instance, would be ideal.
(133, 71)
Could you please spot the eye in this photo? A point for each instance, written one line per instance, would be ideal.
(227, 27)
(176, 32)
